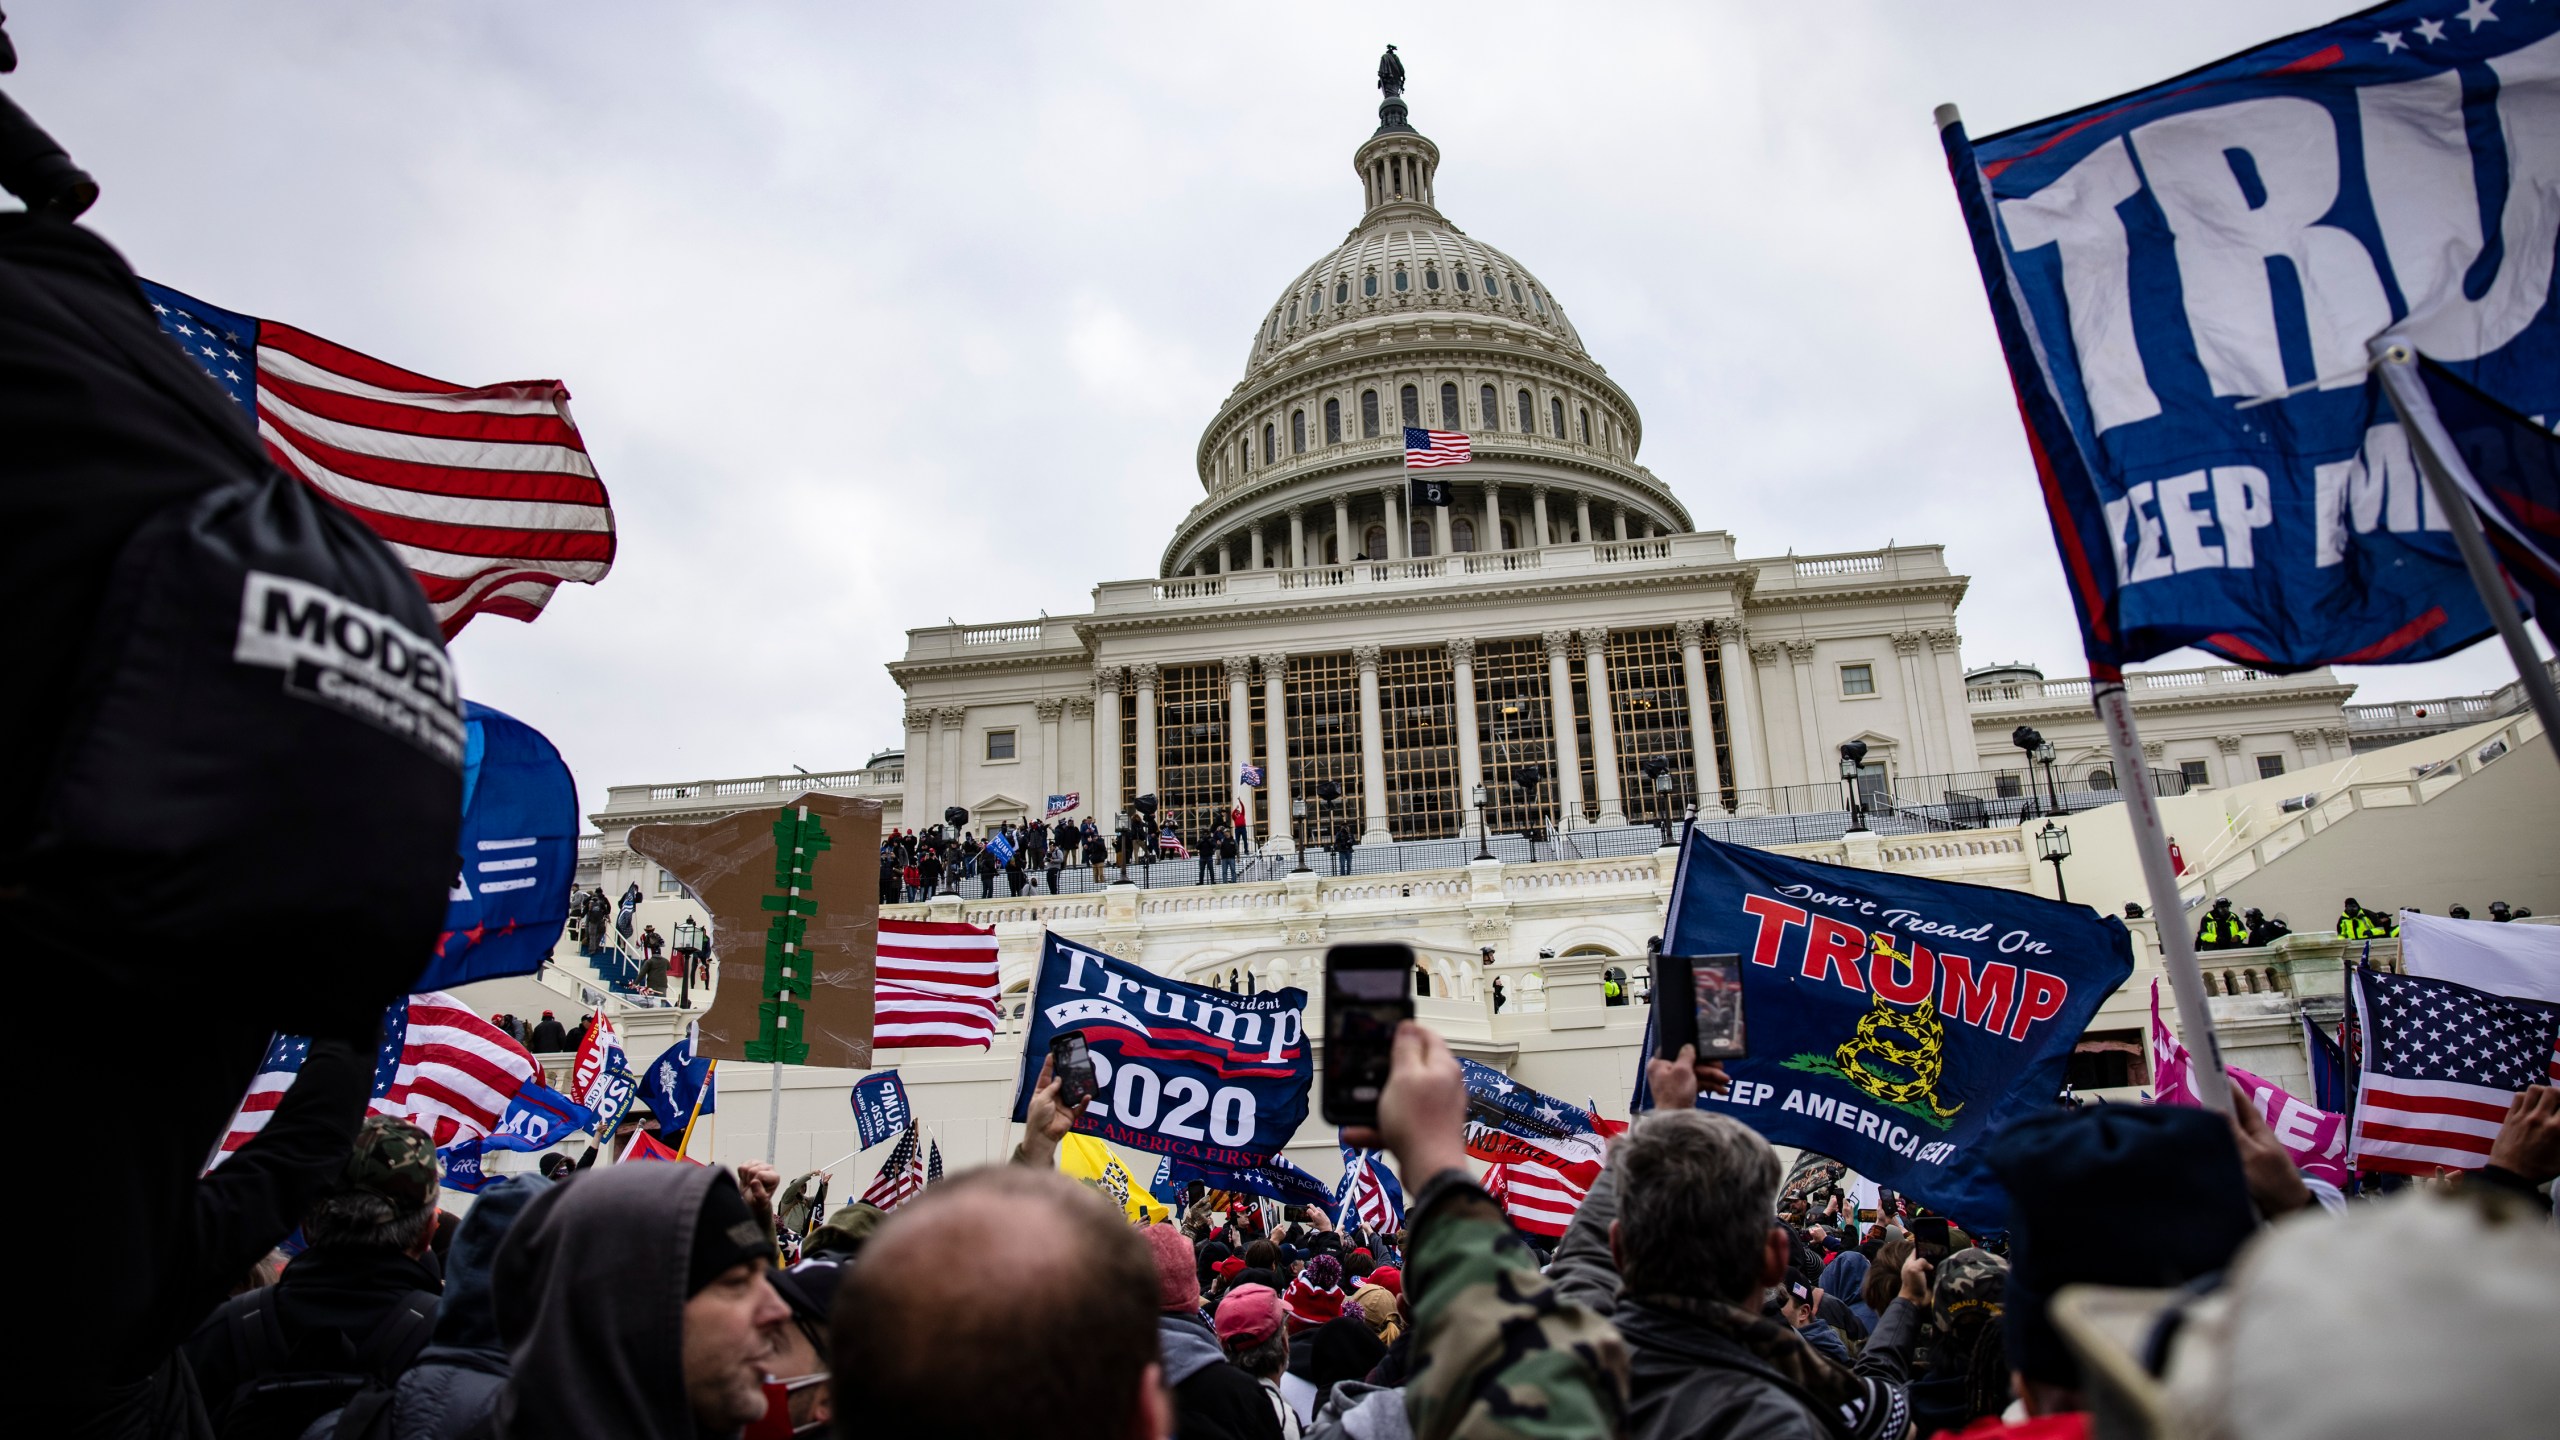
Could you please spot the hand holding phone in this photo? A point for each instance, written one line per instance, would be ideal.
(1072, 1062)
(1711, 1020)
(1368, 992)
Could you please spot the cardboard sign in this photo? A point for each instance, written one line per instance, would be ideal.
(794, 897)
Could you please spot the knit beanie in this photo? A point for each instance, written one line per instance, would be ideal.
(725, 1234)
(1177, 1282)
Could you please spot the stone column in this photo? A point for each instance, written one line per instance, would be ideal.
(2334, 742)
(1491, 538)
(1222, 554)
(1342, 544)
(1947, 670)
(1462, 691)
(2229, 745)
(922, 778)
(1239, 730)
(1560, 715)
(1439, 529)
(947, 750)
(1925, 718)
(1297, 537)
(1373, 750)
(1275, 743)
(1142, 678)
(1621, 519)
(1105, 796)
(1399, 544)
(1800, 666)
(1604, 726)
(1048, 711)
(1538, 516)
(1582, 519)
(1706, 774)
(1080, 710)
(1253, 560)
(1744, 720)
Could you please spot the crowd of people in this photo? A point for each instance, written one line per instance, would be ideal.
(916, 865)
(2220, 929)
(546, 1036)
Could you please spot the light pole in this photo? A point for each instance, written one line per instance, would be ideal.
(1526, 779)
(2026, 738)
(2053, 844)
(2052, 787)
(1658, 769)
(1853, 757)
(688, 943)
(1298, 828)
(1484, 841)
(954, 818)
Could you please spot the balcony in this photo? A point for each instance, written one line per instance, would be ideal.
(1389, 577)
(2153, 685)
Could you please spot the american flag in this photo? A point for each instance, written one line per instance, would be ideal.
(936, 986)
(1369, 1195)
(2439, 1065)
(933, 1161)
(1540, 1196)
(485, 492)
(905, 1174)
(1431, 449)
(441, 1067)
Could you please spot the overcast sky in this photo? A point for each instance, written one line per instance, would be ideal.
(881, 314)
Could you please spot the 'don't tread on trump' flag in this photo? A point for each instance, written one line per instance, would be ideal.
(2187, 281)
(1894, 1023)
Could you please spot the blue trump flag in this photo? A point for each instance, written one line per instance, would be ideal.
(539, 1118)
(1184, 1070)
(675, 1082)
(519, 849)
(1278, 1179)
(880, 1109)
(2513, 485)
(461, 1166)
(2186, 281)
(1894, 1023)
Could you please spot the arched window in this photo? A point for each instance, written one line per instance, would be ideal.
(1403, 281)
(1342, 291)
(1333, 422)
(1270, 444)
(1515, 292)
(1510, 536)
(1315, 301)
(1528, 415)
(1412, 408)
(1297, 432)
(2102, 779)
(1430, 277)
(1449, 407)
(1555, 412)
(1293, 312)
(1420, 531)
(1368, 414)
(1332, 549)
(1491, 290)
(1462, 535)
(1463, 288)
(1586, 425)
(1373, 543)
(1244, 455)
(1491, 407)
(1369, 283)
(1540, 300)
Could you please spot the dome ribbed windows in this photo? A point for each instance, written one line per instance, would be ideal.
(1342, 292)
(1462, 282)
(1293, 312)
(1491, 290)
(1515, 293)
(1412, 408)
(1528, 415)
(1431, 277)
(1449, 407)
(1333, 422)
(1369, 414)
(1369, 283)
(1298, 431)
(1540, 300)
(1491, 407)
(1404, 282)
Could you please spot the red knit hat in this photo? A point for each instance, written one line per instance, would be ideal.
(1389, 1279)
(1177, 1273)
(1310, 1307)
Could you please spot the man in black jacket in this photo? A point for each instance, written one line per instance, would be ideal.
(1212, 1399)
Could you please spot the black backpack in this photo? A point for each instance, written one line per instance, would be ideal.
(273, 1402)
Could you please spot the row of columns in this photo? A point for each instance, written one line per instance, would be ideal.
(1399, 543)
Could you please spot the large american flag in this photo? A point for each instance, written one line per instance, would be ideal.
(1430, 449)
(1540, 1196)
(904, 1176)
(936, 986)
(485, 492)
(2440, 1064)
(441, 1067)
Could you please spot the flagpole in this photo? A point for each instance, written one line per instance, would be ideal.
(773, 1114)
(711, 1069)
(2168, 913)
(2453, 485)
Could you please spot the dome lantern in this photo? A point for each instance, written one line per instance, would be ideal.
(1396, 165)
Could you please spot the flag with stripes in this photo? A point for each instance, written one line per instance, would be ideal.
(936, 987)
(903, 1175)
(933, 1161)
(1540, 1196)
(485, 492)
(2438, 1065)
(1431, 449)
(441, 1067)
(1369, 1196)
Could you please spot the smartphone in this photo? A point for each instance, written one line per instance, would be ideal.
(1712, 1020)
(1072, 1063)
(1929, 1238)
(1368, 992)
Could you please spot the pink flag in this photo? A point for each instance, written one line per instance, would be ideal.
(2315, 1138)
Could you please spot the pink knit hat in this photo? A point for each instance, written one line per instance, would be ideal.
(1177, 1273)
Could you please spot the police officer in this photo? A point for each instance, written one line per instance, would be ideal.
(2263, 931)
(2220, 929)
(2353, 923)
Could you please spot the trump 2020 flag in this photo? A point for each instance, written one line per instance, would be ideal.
(539, 1118)
(1894, 1022)
(880, 1108)
(2187, 280)
(519, 847)
(1183, 1070)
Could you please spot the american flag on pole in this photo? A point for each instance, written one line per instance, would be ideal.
(1540, 1196)
(1369, 1195)
(936, 986)
(2439, 1065)
(902, 1177)
(441, 1067)
(1431, 449)
(485, 492)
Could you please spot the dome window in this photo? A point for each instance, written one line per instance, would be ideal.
(1333, 422)
(1528, 415)
(1315, 301)
(1369, 284)
(1297, 432)
(1270, 444)
(1368, 414)
(1373, 543)
(1418, 535)
(1462, 535)
(1491, 407)
(1462, 282)
(1515, 294)
(1449, 408)
(1540, 300)
(1586, 427)
(1404, 282)
(1491, 290)
(1555, 409)
(1293, 312)
(1412, 408)
(1431, 277)
(1342, 292)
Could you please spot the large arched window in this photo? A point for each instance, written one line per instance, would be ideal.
(1586, 425)
(1412, 408)
(1491, 407)
(1244, 456)
(1369, 283)
(1464, 285)
(1449, 407)
(1342, 291)
(1420, 531)
(1510, 536)
(1373, 543)
(1270, 444)
(1404, 282)
(1293, 312)
(1333, 422)
(1555, 411)
(1431, 277)
(1297, 432)
(1369, 414)
(1462, 535)
(1528, 415)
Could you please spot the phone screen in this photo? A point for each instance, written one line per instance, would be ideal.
(1074, 1068)
(1929, 1237)
(1715, 983)
(1367, 994)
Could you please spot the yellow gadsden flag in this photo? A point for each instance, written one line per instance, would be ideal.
(1098, 1165)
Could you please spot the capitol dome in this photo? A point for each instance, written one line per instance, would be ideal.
(1411, 322)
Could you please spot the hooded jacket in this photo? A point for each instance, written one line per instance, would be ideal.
(1212, 1399)
(590, 1291)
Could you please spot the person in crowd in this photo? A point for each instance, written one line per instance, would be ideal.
(1211, 1398)
(1252, 1332)
(1844, 1277)
(452, 1389)
(928, 872)
(1055, 866)
(1229, 848)
(847, 1230)
(547, 1038)
(1017, 870)
(2263, 931)
(2354, 923)
(889, 868)
(2459, 912)
(1208, 856)
(354, 1308)
(636, 1303)
(799, 1366)
(1967, 1376)
(1345, 840)
(1096, 853)
(1500, 997)
(987, 867)
(2220, 929)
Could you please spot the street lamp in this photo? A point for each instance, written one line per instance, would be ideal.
(1658, 769)
(2053, 844)
(2026, 738)
(953, 818)
(1853, 764)
(1526, 779)
(1298, 828)
(2044, 756)
(1484, 842)
(688, 943)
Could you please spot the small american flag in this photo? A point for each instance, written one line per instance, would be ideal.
(933, 1161)
(441, 1067)
(1430, 449)
(1541, 1197)
(936, 986)
(486, 493)
(2440, 1064)
(903, 1176)
(1372, 1198)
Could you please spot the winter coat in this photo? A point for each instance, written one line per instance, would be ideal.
(1358, 1410)
(1212, 1399)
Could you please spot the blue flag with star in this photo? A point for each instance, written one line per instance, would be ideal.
(519, 854)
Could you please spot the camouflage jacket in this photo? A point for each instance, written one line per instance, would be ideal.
(1497, 1352)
